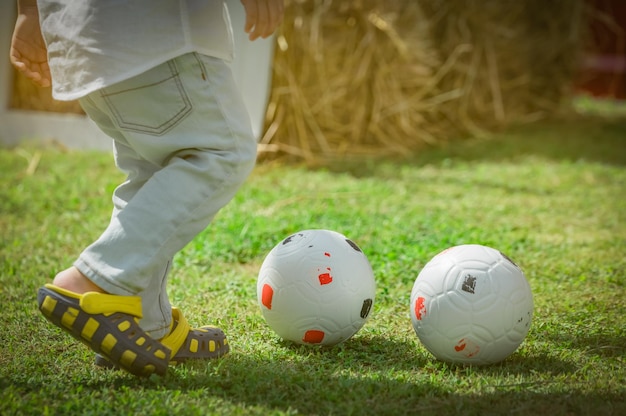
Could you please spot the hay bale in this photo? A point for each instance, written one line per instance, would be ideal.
(521, 56)
(376, 77)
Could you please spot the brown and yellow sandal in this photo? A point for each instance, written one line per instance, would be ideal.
(186, 343)
(108, 324)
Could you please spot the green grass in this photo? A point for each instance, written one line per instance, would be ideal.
(552, 196)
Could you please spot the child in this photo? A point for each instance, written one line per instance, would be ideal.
(154, 76)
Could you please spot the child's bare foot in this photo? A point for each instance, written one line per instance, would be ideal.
(73, 280)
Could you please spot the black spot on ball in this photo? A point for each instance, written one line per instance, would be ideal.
(290, 238)
(509, 260)
(365, 309)
(353, 245)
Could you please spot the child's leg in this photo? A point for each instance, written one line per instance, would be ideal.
(185, 121)
(157, 311)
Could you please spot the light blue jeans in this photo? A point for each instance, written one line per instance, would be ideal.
(182, 134)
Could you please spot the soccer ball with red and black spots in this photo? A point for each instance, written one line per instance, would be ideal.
(316, 287)
(471, 304)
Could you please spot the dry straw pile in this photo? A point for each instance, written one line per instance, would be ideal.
(372, 77)
(376, 77)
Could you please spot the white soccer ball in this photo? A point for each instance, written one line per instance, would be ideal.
(316, 287)
(471, 304)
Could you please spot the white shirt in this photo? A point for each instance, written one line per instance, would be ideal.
(95, 43)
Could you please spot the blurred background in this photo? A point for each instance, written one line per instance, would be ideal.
(374, 77)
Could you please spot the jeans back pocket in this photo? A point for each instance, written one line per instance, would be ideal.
(150, 103)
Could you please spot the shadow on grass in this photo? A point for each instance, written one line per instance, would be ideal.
(366, 375)
(597, 344)
(376, 375)
(363, 376)
(590, 139)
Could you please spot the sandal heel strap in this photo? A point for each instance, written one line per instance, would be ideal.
(177, 337)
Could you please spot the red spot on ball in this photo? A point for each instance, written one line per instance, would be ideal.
(327, 254)
(420, 308)
(266, 296)
(325, 278)
(467, 347)
(460, 346)
(313, 336)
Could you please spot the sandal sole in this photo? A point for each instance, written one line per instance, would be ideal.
(202, 343)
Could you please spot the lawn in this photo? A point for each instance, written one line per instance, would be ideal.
(552, 196)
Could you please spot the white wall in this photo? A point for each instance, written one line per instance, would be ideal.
(251, 67)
